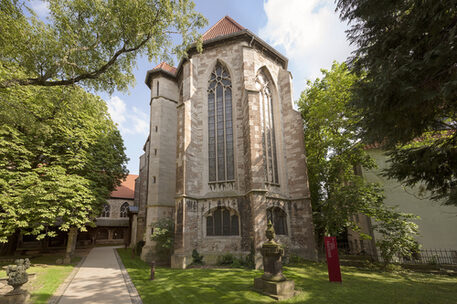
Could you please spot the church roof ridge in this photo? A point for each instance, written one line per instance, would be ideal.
(224, 26)
(225, 29)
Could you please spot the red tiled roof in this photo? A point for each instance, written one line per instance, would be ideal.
(223, 27)
(166, 67)
(126, 189)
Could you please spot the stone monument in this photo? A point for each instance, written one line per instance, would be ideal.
(273, 283)
(17, 276)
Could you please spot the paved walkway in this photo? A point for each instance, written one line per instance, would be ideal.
(99, 280)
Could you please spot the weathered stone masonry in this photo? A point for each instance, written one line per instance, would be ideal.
(179, 185)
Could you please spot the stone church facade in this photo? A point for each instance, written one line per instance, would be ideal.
(225, 152)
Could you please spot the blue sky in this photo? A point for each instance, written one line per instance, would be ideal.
(308, 32)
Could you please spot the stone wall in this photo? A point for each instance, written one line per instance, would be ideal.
(161, 166)
(115, 205)
(249, 195)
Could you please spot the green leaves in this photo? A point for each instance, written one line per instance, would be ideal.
(60, 157)
(335, 155)
(334, 152)
(397, 231)
(93, 42)
(407, 54)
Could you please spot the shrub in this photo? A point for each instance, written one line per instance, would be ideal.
(197, 259)
(163, 235)
(249, 261)
(236, 263)
(139, 247)
(226, 259)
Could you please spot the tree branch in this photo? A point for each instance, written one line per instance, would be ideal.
(42, 81)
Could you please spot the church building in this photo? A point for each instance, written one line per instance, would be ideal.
(225, 153)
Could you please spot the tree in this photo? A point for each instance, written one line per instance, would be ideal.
(163, 235)
(91, 42)
(407, 95)
(397, 235)
(335, 153)
(60, 157)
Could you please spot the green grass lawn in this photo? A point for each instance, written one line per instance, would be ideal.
(311, 279)
(48, 276)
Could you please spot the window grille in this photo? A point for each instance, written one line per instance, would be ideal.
(220, 126)
(268, 129)
(106, 211)
(124, 210)
(222, 221)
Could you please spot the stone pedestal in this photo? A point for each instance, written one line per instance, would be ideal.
(15, 297)
(277, 290)
(273, 283)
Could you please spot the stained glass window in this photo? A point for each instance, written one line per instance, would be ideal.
(267, 125)
(220, 126)
(222, 221)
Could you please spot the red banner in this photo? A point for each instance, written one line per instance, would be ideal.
(333, 262)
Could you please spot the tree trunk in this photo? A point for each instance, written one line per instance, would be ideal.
(71, 244)
(10, 247)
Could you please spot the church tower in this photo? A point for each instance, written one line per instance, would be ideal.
(161, 152)
(226, 151)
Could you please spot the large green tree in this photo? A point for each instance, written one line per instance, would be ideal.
(91, 42)
(407, 97)
(335, 154)
(60, 157)
(60, 153)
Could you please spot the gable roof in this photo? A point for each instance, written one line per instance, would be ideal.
(126, 189)
(223, 27)
(166, 67)
(224, 30)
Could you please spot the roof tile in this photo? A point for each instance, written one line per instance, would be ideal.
(223, 27)
(126, 189)
(166, 67)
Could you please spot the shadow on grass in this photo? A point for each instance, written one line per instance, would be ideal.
(311, 279)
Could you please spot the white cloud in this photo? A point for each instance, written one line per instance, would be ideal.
(130, 121)
(309, 31)
(41, 8)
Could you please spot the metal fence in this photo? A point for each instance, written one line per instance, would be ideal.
(432, 257)
(425, 256)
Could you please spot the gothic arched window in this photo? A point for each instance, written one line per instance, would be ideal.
(222, 221)
(278, 218)
(124, 210)
(267, 124)
(220, 126)
(105, 211)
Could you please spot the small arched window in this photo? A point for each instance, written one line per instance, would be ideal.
(267, 125)
(222, 221)
(220, 126)
(124, 209)
(106, 211)
(278, 218)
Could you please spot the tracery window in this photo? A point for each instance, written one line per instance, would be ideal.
(106, 211)
(222, 221)
(278, 218)
(268, 129)
(220, 126)
(124, 210)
